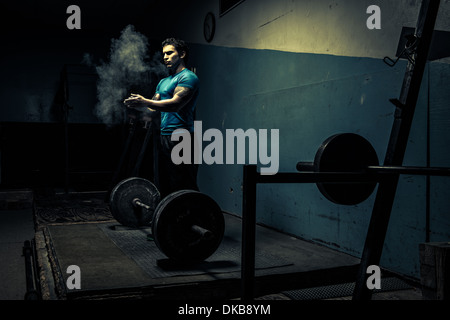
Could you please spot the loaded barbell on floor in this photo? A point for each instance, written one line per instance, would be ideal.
(351, 153)
(187, 226)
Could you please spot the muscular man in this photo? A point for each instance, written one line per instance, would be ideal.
(176, 99)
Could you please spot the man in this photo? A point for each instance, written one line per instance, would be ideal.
(176, 99)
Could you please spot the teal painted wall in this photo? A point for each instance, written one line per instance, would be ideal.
(310, 97)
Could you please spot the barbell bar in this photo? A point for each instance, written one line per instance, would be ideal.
(139, 203)
(420, 171)
(379, 170)
(133, 202)
(409, 170)
(194, 228)
(351, 154)
(203, 233)
(187, 226)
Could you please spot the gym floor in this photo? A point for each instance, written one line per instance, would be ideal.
(17, 225)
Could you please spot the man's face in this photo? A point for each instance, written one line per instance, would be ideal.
(172, 58)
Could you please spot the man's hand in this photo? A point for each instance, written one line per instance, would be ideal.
(138, 102)
(134, 99)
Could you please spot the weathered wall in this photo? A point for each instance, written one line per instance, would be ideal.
(312, 69)
(311, 26)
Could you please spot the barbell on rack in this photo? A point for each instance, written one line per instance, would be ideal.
(351, 153)
(187, 226)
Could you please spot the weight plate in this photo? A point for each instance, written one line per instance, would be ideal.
(173, 221)
(122, 200)
(347, 152)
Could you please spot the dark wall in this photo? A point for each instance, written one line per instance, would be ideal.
(41, 156)
(34, 155)
(46, 82)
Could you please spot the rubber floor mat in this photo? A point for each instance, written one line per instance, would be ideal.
(137, 245)
(343, 290)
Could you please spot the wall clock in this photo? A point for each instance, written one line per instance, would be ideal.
(209, 27)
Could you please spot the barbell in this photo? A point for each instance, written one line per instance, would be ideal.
(351, 153)
(187, 226)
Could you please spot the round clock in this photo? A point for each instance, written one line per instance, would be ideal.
(209, 27)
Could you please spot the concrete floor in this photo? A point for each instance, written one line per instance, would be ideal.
(16, 226)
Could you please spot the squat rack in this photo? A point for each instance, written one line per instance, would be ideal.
(375, 237)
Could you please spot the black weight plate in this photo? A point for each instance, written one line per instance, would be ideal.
(121, 202)
(347, 152)
(172, 224)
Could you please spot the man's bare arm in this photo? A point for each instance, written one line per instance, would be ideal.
(182, 95)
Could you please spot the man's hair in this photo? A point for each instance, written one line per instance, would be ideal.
(179, 45)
